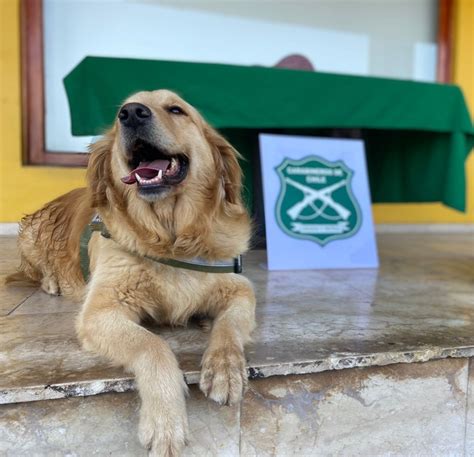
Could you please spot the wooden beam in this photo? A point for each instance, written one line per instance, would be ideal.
(445, 41)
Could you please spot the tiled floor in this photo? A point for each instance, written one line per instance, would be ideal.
(418, 306)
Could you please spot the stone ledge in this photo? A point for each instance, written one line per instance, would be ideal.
(418, 307)
(408, 409)
(119, 385)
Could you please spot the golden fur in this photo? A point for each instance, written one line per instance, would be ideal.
(202, 216)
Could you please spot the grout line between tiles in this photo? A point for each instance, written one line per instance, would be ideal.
(21, 303)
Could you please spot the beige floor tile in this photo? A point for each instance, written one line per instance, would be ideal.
(401, 410)
(106, 425)
(308, 321)
(41, 303)
(13, 296)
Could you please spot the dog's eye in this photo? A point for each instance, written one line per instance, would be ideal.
(174, 109)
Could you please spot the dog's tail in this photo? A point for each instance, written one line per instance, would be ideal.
(26, 275)
(20, 278)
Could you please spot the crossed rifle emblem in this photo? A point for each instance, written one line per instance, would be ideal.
(311, 196)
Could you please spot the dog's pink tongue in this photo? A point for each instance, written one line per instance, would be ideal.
(146, 170)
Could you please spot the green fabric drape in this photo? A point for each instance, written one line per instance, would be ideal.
(417, 135)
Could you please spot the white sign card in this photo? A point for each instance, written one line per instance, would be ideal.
(317, 203)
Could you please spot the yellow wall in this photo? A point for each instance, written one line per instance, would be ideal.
(25, 188)
(464, 76)
(22, 189)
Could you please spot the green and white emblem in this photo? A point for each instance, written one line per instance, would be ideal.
(316, 201)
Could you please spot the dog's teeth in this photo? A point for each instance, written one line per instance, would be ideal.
(154, 180)
(173, 166)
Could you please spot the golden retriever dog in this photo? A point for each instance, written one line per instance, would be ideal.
(166, 185)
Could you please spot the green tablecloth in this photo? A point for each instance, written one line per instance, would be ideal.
(417, 135)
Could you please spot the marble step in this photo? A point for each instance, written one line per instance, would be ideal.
(416, 409)
(419, 306)
(306, 396)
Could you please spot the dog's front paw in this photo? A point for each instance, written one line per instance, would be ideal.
(223, 375)
(163, 430)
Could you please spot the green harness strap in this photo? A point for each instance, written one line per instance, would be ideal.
(96, 225)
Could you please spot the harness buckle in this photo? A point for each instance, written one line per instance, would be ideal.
(238, 264)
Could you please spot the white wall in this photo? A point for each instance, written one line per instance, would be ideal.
(393, 27)
(378, 37)
(75, 29)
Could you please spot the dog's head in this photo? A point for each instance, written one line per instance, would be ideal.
(162, 154)
(159, 147)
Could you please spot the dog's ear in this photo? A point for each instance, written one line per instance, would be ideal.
(228, 168)
(98, 170)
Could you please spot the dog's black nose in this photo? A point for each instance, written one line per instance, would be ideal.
(134, 114)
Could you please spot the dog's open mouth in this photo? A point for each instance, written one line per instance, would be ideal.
(152, 169)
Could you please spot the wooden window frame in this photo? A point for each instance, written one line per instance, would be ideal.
(33, 94)
(444, 69)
